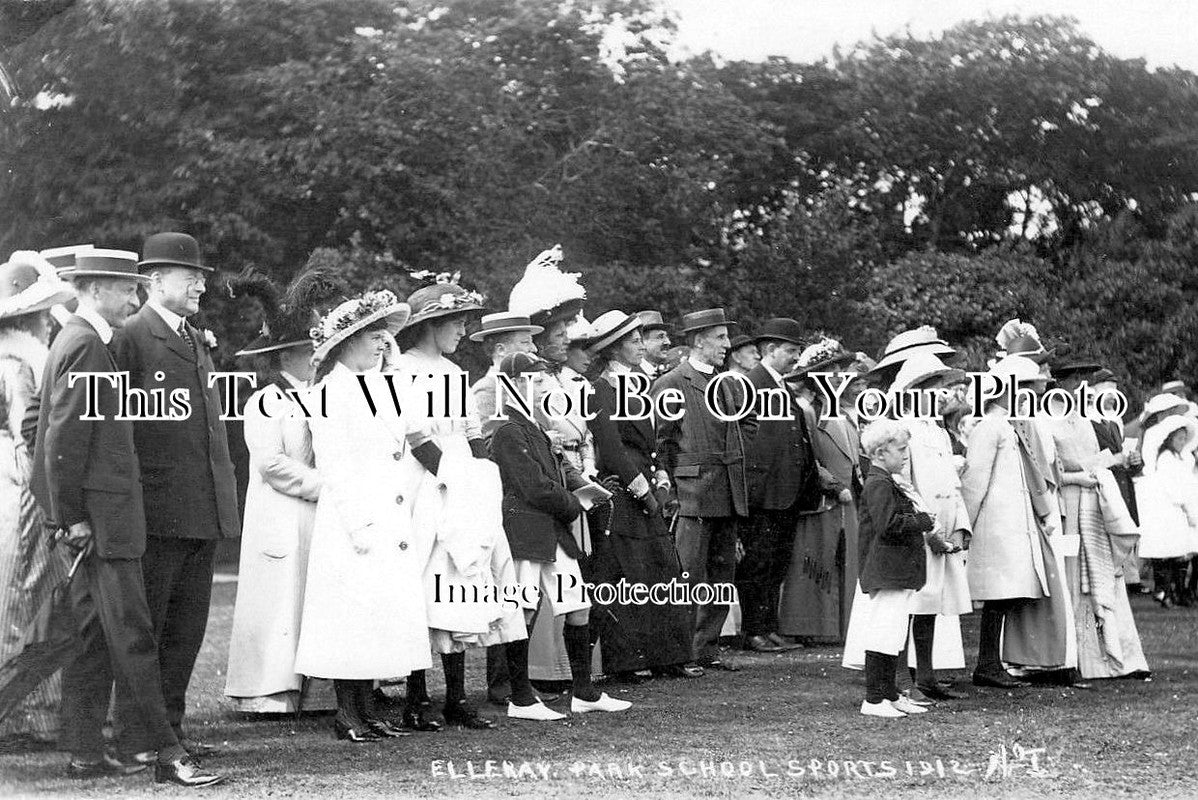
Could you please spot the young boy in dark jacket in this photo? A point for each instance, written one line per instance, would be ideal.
(892, 562)
(538, 507)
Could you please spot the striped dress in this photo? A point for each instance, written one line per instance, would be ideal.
(29, 569)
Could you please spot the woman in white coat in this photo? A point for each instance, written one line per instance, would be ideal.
(364, 616)
(1007, 554)
(937, 607)
(280, 509)
(1167, 497)
(457, 516)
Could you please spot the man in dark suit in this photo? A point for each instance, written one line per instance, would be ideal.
(187, 474)
(85, 475)
(782, 480)
(656, 338)
(704, 458)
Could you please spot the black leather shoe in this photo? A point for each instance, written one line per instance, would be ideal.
(627, 677)
(996, 680)
(760, 644)
(358, 734)
(678, 671)
(197, 749)
(934, 691)
(466, 715)
(783, 644)
(716, 663)
(384, 729)
(110, 765)
(185, 772)
(418, 720)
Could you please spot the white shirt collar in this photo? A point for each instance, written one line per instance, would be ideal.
(92, 317)
(701, 366)
(171, 319)
(777, 376)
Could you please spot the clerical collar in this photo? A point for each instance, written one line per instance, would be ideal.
(701, 366)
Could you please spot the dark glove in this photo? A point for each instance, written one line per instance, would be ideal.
(478, 449)
(429, 456)
(924, 521)
(612, 484)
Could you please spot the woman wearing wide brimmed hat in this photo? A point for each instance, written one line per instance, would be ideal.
(1167, 497)
(553, 299)
(29, 570)
(361, 621)
(631, 541)
(280, 510)
(457, 520)
(817, 594)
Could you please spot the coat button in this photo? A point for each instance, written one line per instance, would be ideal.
(399, 500)
(397, 456)
(403, 545)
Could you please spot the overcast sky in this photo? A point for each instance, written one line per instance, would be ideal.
(1165, 32)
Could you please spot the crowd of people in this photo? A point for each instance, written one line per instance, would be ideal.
(374, 539)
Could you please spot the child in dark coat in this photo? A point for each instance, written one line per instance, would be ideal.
(892, 563)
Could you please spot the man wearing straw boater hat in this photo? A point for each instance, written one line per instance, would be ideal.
(85, 475)
(502, 334)
(705, 460)
(190, 490)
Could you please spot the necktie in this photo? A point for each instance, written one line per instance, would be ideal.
(186, 337)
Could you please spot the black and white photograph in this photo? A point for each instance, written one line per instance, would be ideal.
(598, 398)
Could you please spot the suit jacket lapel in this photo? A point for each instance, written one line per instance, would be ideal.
(170, 338)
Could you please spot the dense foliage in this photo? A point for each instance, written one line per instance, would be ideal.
(1007, 168)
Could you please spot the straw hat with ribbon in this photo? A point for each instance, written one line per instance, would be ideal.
(923, 339)
(612, 326)
(442, 297)
(28, 284)
(354, 315)
(923, 366)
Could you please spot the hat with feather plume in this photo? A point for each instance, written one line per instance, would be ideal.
(546, 294)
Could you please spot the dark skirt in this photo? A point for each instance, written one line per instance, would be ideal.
(638, 549)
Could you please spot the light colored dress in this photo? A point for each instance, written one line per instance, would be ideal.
(1167, 499)
(457, 515)
(29, 568)
(364, 615)
(280, 510)
(1108, 643)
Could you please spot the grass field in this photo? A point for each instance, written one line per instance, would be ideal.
(785, 726)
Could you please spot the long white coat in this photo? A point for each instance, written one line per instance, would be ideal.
(1167, 497)
(364, 613)
(1005, 555)
(457, 519)
(280, 509)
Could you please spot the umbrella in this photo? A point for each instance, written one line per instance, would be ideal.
(50, 642)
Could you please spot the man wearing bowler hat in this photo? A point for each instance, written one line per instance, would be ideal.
(85, 475)
(782, 480)
(704, 458)
(186, 471)
(655, 335)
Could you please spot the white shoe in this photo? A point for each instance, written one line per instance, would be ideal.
(908, 706)
(604, 703)
(882, 708)
(537, 711)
